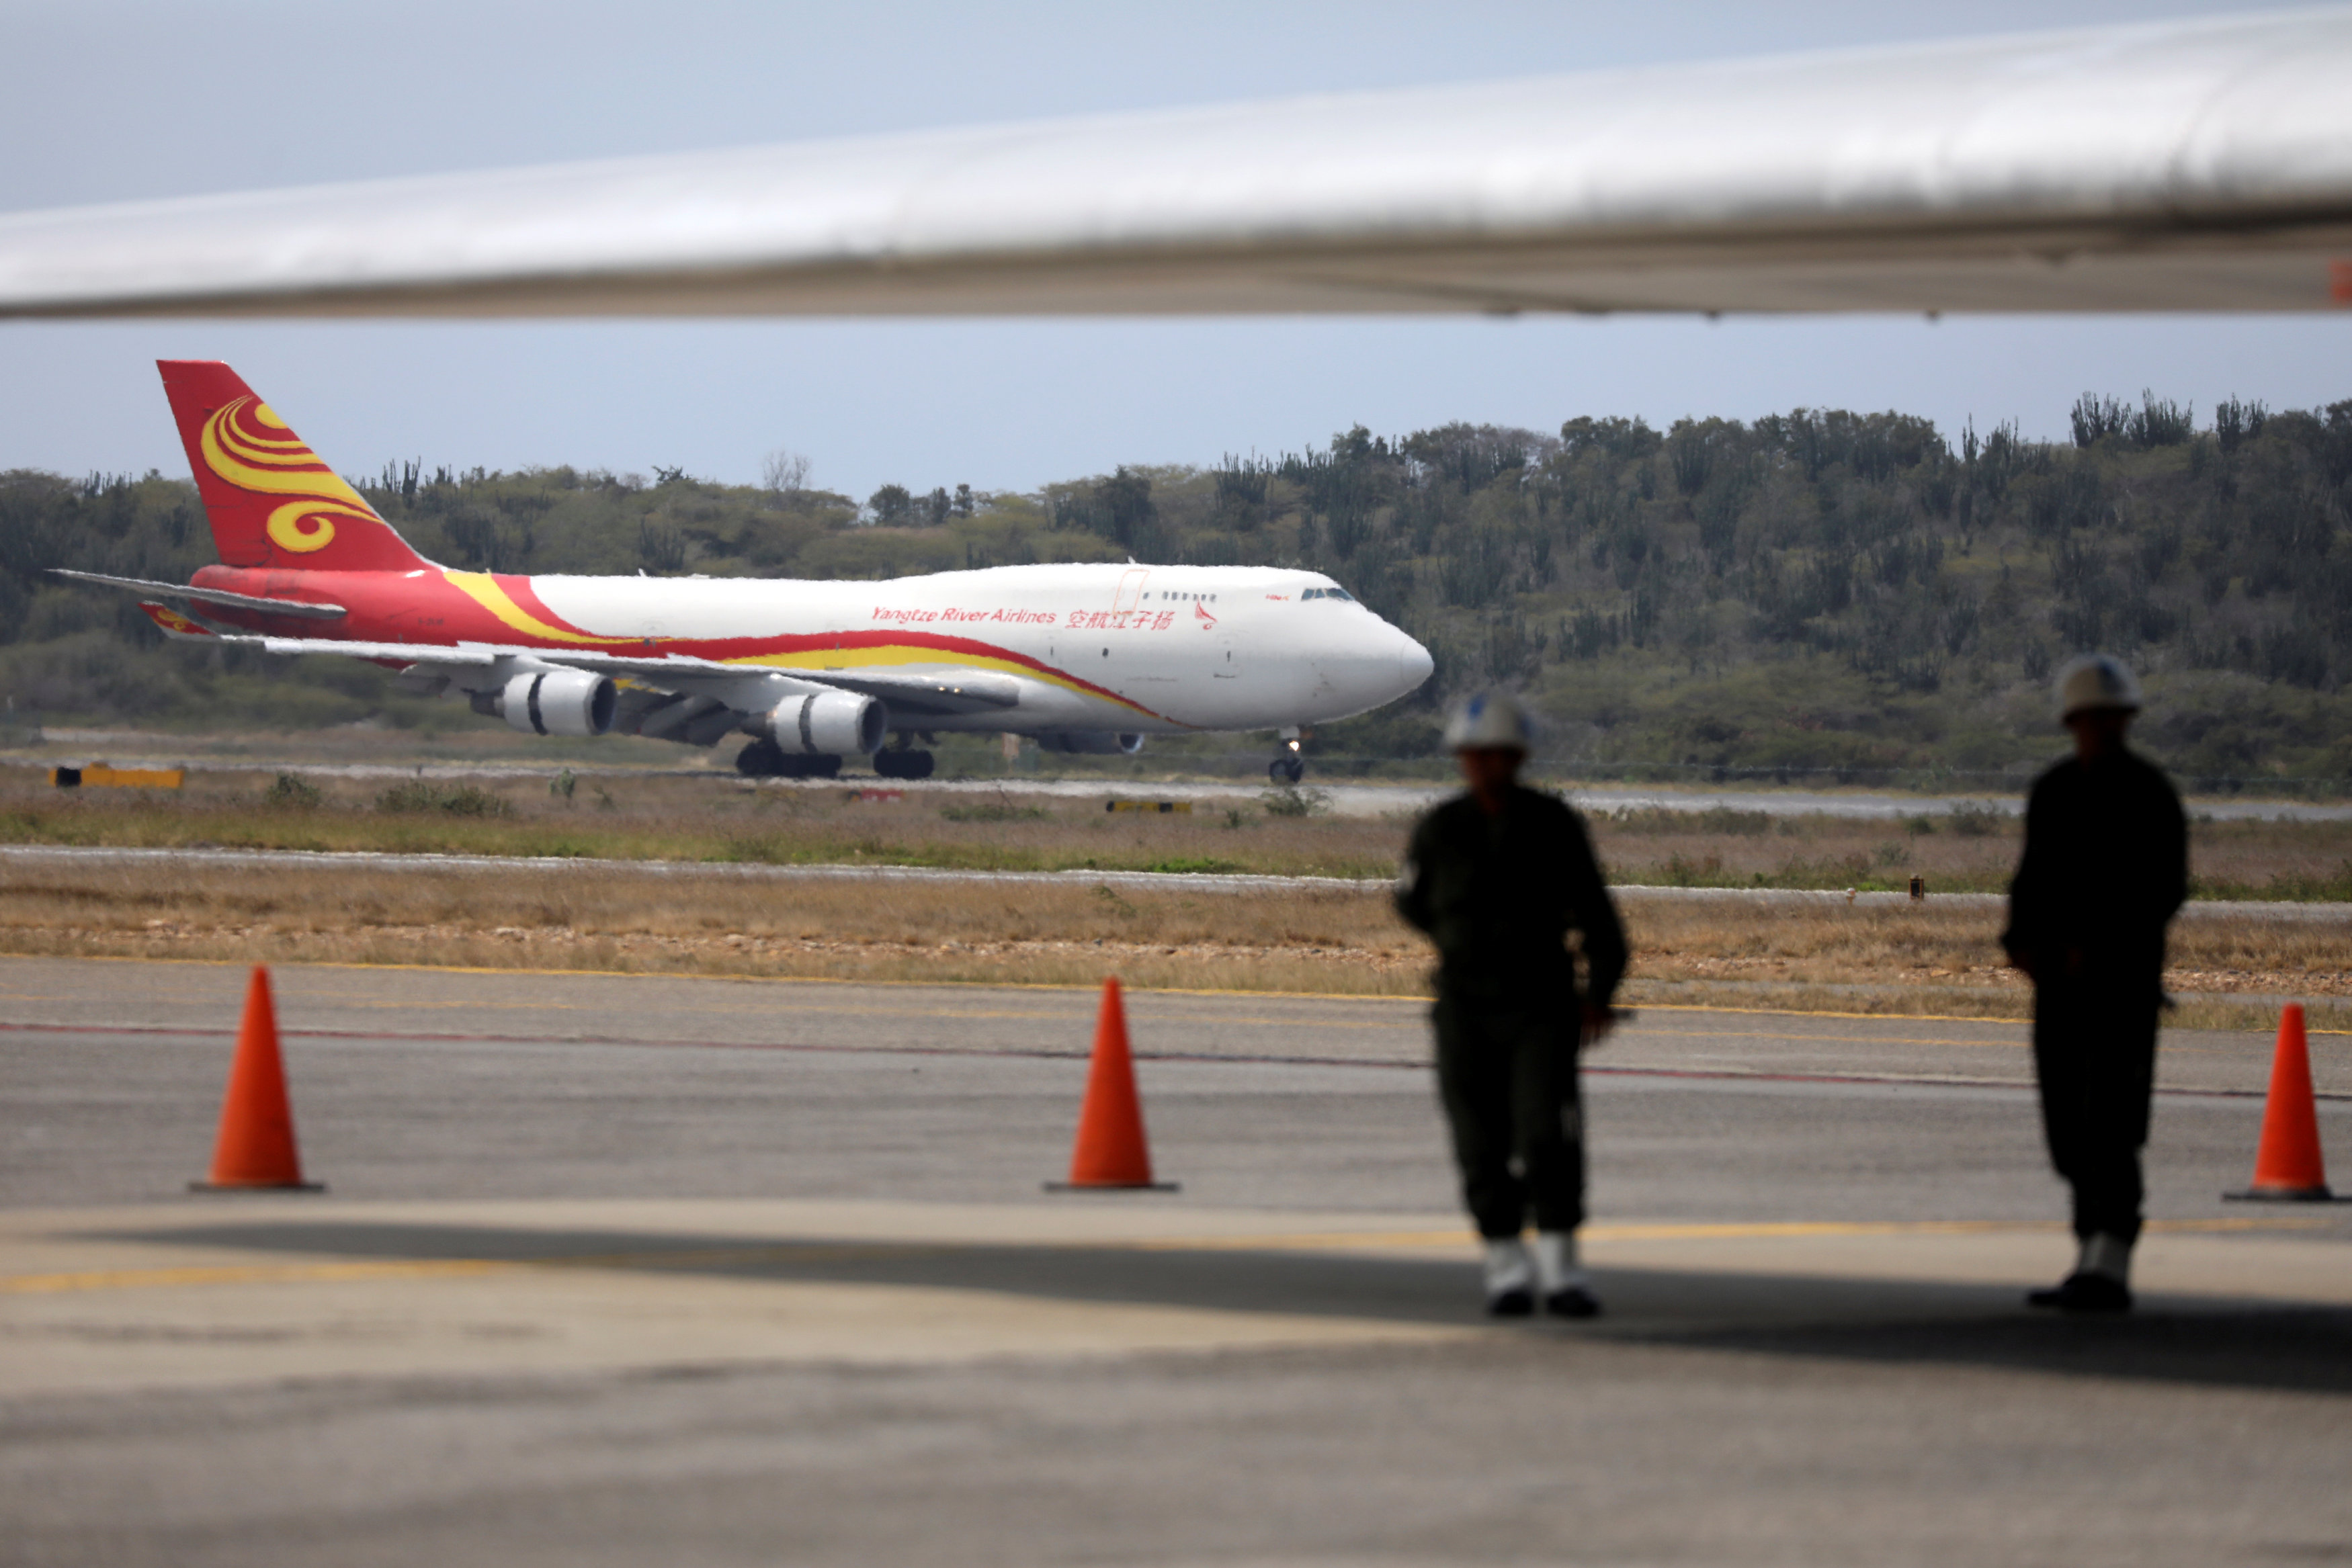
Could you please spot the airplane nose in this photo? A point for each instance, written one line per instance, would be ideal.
(1413, 662)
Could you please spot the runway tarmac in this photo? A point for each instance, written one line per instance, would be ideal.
(1340, 796)
(620, 1268)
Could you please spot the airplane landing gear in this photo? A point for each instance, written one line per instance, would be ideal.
(763, 759)
(1289, 767)
(902, 764)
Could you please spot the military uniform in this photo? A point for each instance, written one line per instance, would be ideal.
(1498, 894)
(2106, 866)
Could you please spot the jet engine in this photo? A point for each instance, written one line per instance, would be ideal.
(553, 702)
(841, 724)
(1091, 743)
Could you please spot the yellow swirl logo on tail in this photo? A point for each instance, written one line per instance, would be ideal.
(308, 525)
(248, 445)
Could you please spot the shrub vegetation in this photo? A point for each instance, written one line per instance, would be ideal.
(1818, 594)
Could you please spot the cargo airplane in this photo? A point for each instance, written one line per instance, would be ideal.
(1085, 658)
(2203, 164)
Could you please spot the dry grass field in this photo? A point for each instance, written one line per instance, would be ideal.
(600, 912)
(1938, 958)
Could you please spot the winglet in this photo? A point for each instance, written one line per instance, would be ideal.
(172, 623)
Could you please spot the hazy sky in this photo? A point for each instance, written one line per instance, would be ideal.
(112, 101)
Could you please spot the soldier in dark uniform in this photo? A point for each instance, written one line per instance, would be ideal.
(2105, 865)
(1498, 877)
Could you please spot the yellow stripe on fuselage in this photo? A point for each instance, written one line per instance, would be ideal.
(483, 589)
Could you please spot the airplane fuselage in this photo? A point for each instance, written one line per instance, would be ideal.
(1126, 648)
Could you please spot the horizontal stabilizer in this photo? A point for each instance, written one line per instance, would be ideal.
(303, 608)
(174, 625)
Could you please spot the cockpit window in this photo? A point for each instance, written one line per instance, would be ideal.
(1339, 594)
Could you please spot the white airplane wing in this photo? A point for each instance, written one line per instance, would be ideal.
(2197, 165)
(745, 688)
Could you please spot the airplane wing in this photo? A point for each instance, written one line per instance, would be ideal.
(925, 695)
(664, 691)
(2191, 165)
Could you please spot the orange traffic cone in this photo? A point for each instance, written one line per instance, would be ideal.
(2287, 1165)
(256, 1147)
(1111, 1151)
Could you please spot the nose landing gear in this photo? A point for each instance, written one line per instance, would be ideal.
(1289, 767)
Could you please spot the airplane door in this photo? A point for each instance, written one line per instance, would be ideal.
(1130, 590)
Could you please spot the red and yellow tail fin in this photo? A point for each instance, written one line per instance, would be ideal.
(272, 500)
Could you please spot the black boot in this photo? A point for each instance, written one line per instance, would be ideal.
(2083, 1292)
(1572, 1301)
(1518, 1302)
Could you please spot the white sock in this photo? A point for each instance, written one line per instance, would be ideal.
(1556, 1263)
(2107, 1255)
(1506, 1265)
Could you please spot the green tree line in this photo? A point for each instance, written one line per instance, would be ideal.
(1816, 592)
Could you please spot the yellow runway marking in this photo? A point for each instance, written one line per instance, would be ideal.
(1758, 1231)
(1417, 999)
(439, 1267)
(1811, 1013)
(1080, 1014)
(232, 1274)
(835, 1252)
(1851, 1038)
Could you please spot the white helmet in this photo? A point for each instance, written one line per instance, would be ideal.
(1489, 719)
(2096, 681)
